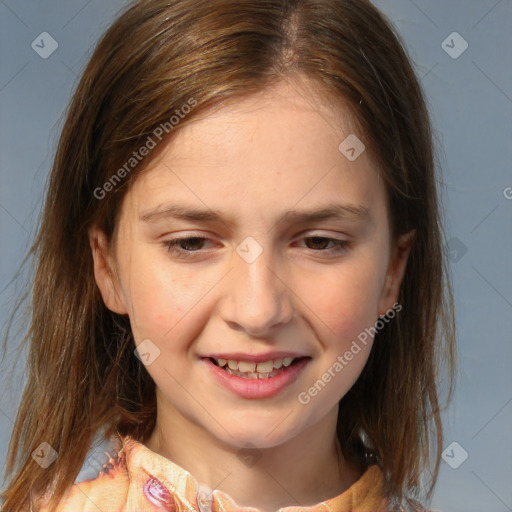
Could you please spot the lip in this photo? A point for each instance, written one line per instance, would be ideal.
(256, 358)
(257, 388)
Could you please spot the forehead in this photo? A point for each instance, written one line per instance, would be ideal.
(263, 154)
(283, 118)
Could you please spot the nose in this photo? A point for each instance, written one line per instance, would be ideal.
(258, 297)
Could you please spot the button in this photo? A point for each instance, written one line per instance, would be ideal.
(159, 495)
(204, 498)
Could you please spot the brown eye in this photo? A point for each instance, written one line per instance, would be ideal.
(190, 244)
(187, 246)
(318, 243)
(321, 243)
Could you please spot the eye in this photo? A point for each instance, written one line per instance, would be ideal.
(192, 246)
(185, 247)
(326, 244)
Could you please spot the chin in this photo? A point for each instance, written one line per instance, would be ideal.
(255, 431)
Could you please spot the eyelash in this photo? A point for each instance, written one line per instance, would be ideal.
(173, 245)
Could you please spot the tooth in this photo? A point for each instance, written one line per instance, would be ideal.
(233, 365)
(246, 366)
(278, 363)
(221, 362)
(265, 367)
(287, 361)
(251, 375)
(263, 375)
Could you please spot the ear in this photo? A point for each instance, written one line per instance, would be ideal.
(104, 271)
(395, 272)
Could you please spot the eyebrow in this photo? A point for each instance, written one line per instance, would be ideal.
(353, 213)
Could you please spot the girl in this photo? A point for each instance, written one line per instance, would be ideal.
(239, 270)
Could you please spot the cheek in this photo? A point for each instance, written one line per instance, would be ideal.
(156, 299)
(344, 300)
(167, 303)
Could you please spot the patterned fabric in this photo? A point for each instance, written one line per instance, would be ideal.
(139, 480)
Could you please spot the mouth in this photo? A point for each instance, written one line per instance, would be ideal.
(252, 370)
(256, 377)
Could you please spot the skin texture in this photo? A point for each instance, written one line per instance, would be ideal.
(253, 160)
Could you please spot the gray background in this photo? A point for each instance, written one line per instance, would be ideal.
(471, 103)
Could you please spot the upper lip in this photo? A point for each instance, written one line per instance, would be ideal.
(256, 358)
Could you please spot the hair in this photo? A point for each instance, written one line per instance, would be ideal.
(158, 56)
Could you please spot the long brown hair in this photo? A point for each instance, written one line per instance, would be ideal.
(157, 57)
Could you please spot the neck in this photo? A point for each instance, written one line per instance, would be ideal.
(268, 478)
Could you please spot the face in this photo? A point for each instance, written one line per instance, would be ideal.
(249, 258)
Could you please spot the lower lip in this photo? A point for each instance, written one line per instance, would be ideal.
(257, 388)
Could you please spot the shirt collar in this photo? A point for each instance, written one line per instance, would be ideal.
(172, 489)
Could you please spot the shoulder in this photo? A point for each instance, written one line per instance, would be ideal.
(106, 492)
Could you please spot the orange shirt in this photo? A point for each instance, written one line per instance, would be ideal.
(139, 480)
